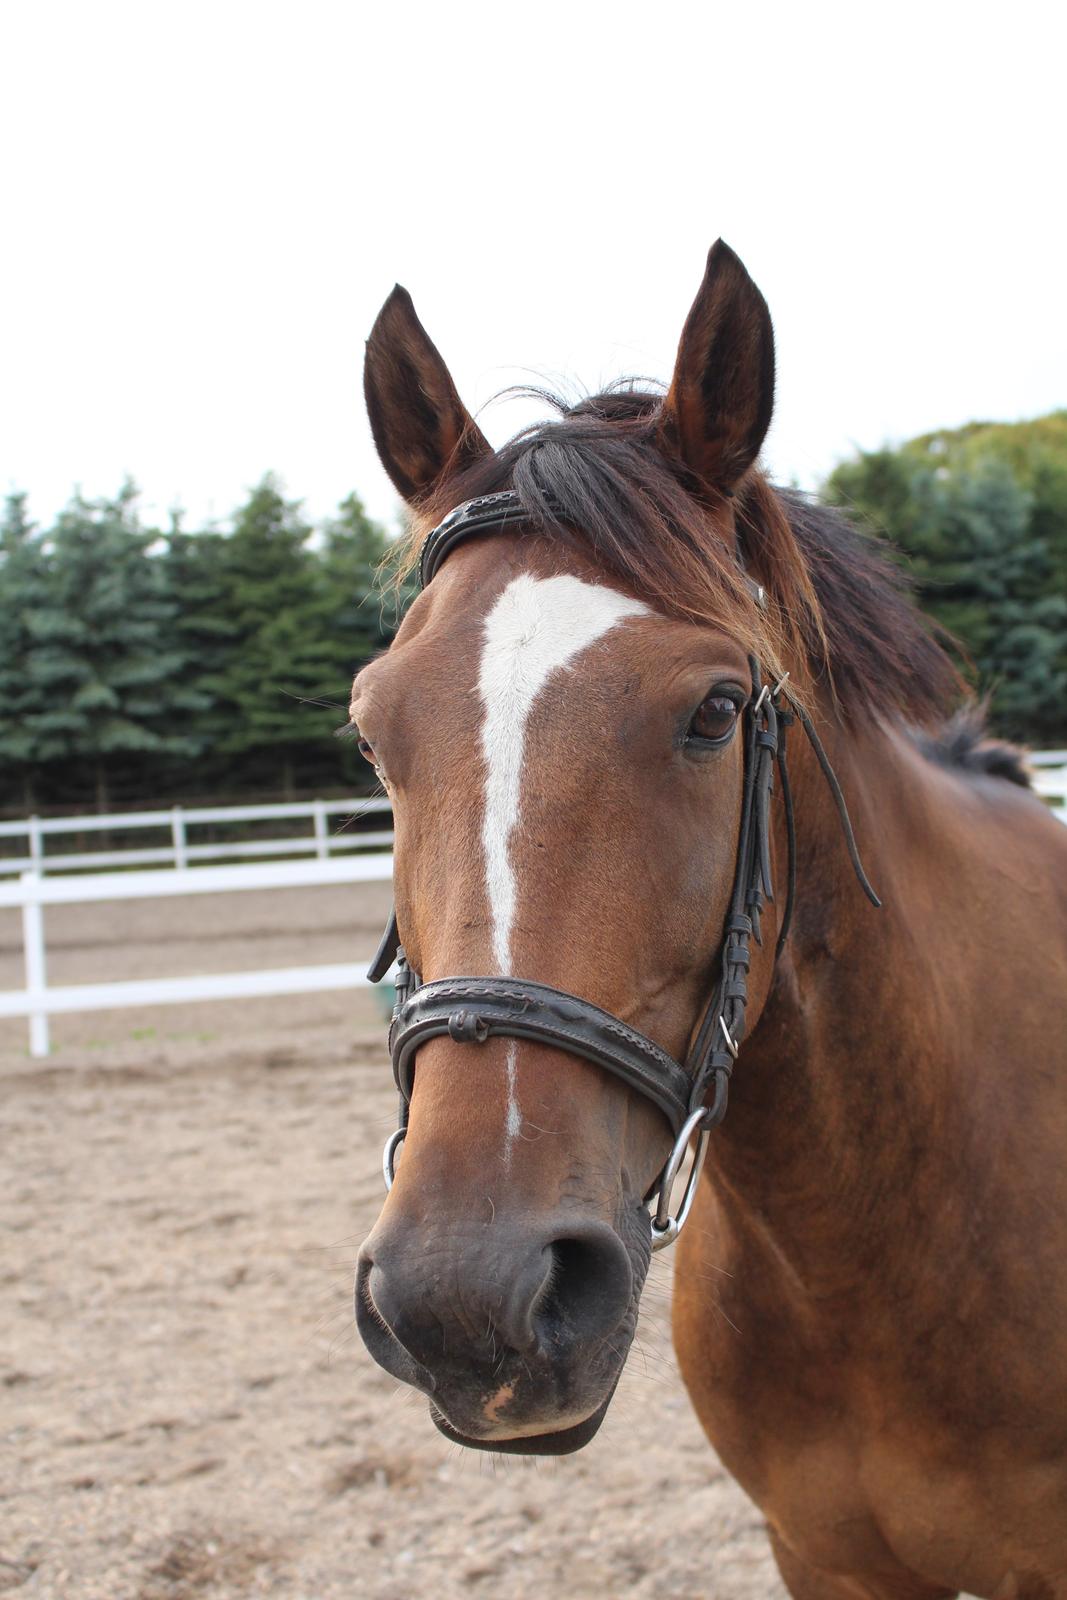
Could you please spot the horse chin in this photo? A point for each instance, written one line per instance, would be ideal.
(563, 1442)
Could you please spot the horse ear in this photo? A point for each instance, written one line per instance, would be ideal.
(421, 427)
(719, 404)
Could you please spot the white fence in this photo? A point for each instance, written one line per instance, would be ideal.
(1049, 777)
(181, 852)
(33, 892)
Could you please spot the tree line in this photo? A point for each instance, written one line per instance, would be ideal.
(145, 665)
(979, 515)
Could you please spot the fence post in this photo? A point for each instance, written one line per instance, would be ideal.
(177, 833)
(322, 838)
(33, 952)
(36, 844)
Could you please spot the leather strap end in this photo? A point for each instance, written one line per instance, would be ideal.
(386, 952)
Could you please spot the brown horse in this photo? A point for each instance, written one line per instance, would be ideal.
(870, 1306)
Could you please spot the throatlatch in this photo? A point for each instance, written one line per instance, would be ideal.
(692, 1097)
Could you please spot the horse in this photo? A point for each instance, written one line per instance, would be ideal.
(582, 725)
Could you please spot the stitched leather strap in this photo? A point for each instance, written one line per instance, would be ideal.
(488, 512)
(722, 1030)
(387, 951)
(471, 1010)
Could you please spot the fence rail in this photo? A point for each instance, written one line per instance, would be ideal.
(1049, 778)
(45, 881)
(178, 820)
(33, 891)
(1049, 770)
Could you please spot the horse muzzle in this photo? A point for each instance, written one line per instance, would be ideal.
(516, 1332)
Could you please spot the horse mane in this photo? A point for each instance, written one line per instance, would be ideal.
(964, 745)
(838, 609)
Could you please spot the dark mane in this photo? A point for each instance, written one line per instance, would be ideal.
(964, 745)
(839, 609)
(879, 643)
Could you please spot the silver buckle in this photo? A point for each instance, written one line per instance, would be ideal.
(389, 1155)
(767, 693)
(665, 1228)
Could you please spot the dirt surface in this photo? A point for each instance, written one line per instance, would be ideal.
(187, 1413)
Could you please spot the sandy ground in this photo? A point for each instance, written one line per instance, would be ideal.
(185, 1408)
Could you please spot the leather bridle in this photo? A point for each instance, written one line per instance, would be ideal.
(470, 1010)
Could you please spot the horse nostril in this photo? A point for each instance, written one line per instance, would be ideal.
(587, 1290)
(421, 1303)
(384, 1325)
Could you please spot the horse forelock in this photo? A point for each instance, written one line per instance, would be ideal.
(839, 614)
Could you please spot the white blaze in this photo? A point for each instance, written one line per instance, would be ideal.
(537, 626)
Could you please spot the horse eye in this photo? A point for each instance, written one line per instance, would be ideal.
(366, 751)
(715, 720)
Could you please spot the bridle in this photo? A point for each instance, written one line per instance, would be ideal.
(470, 1010)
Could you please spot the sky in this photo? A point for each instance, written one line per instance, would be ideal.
(206, 204)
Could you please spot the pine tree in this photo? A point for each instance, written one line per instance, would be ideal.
(279, 663)
(22, 586)
(1035, 451)
(103, 645)
(362, 607)
(998, 599)
(981, 561)
(195, 576)
(360, 612)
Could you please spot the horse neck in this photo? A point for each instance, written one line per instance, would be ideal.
(836, 1089)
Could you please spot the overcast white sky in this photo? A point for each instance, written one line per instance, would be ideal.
(205, 205)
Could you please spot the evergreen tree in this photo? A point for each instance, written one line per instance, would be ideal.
(1035, 452)
(184, 662)
(278, 664)
(980, 557)
(362, 609)
(195, 571)
(22, 698)
(103, 648)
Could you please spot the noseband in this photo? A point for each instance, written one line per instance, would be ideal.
(693, 1096)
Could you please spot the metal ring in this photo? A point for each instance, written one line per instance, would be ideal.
(665, 1228)
(389, 1155)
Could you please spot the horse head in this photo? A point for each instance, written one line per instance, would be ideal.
(560, 726)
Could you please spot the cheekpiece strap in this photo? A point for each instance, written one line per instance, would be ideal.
(722, 1030)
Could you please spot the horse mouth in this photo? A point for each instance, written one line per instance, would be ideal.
(561, 1442)
(489, 1429)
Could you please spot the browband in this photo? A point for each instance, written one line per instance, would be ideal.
(490, 513)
